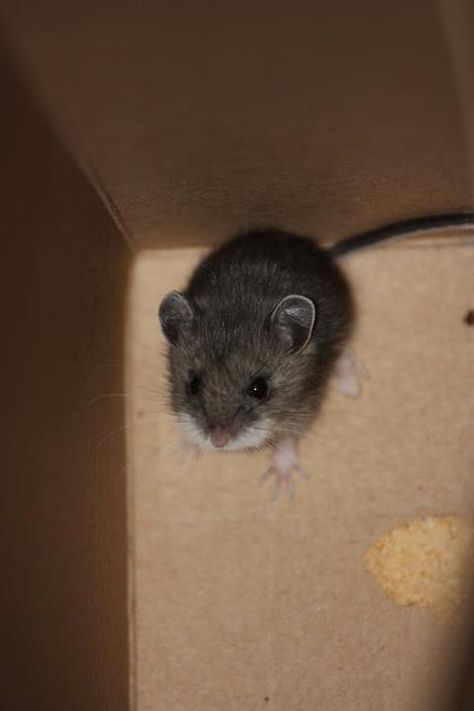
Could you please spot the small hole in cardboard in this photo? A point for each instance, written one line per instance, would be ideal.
(469, 318)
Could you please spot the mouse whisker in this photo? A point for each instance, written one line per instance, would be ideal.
(182, 449)
(109, 437)
(107, 396)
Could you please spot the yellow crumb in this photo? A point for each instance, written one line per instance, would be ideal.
(425, 563)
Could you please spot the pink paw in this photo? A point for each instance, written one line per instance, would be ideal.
(284, 461)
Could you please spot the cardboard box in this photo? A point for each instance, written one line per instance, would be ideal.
(133, 577)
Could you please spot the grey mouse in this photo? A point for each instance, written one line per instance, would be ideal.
(256, 335)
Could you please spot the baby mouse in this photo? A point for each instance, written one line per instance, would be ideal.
(254, 338)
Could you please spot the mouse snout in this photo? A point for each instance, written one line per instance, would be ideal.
(220, 435)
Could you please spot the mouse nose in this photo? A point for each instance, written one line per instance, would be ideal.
(219, 435)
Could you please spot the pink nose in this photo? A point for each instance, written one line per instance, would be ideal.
(220, 436)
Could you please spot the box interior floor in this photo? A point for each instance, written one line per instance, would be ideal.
(241, 602)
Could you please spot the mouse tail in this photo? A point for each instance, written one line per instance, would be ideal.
(404, 228)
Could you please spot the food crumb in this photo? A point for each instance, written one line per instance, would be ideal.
(424, 563)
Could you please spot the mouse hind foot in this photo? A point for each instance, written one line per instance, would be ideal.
(348, 374)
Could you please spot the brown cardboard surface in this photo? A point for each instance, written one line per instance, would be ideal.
(243, 603)
(64, 265)
(199, 118)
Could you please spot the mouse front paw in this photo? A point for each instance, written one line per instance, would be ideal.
(283, 463)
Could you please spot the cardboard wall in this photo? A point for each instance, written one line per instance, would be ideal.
(201, 117)
(62, 504)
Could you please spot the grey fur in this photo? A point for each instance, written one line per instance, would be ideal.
(232, 337)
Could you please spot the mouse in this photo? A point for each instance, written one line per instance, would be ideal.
(255, 337)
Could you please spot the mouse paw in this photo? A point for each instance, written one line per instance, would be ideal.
(283, 462)
(348, 374)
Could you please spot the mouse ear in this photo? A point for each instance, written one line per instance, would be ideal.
(293, 319)
(175, 314)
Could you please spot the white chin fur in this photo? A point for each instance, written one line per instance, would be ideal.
(248, 439)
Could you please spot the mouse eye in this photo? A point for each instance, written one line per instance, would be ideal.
(194, 385)
(258, 388)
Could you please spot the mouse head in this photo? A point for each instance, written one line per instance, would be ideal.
(238, 379)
